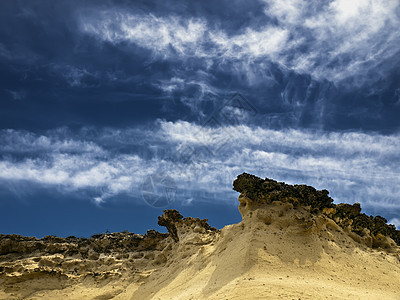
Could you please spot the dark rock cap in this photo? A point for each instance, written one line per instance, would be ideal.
(265, 191)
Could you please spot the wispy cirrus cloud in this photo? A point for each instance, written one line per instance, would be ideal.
(342, 38)
(88, 88)
(353, 166)
(160, 34)
(280, 55)
(56, 141)
(76, 76)
(331, 40)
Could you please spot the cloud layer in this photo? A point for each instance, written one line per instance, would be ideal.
(334, 40)
(332, 65)
(98, 95)
(203, 161)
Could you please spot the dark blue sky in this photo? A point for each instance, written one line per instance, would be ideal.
(111, 111)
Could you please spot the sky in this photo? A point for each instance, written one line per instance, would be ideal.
(111, 111)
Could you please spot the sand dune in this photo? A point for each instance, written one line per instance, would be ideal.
(276, 251)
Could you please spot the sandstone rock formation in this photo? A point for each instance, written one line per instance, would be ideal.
(293, 242)
(256, 192)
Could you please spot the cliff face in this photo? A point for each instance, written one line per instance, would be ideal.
(293, 242)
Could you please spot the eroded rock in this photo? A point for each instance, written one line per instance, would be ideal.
(256, 192)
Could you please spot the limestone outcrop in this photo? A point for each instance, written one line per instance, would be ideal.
(256, 192)
(292, 238)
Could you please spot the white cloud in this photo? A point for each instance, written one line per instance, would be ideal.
(24, 142)
(290, 11)
(252, 44)
(148, 31)
(331, 40)
(395, 222)
(77, 172)
(353, 166)
(343, 38)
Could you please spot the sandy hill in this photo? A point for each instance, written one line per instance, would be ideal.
(292, 243)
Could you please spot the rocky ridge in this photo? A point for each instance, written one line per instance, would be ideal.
(102, 258)
(293, 229)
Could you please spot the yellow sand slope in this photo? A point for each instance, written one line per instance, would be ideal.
(276, 252)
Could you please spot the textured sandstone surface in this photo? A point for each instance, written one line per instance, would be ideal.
(282, 248)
